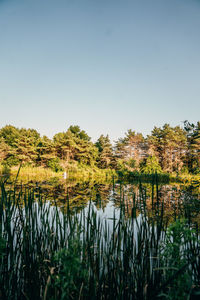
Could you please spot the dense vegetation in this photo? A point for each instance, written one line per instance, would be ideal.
(57, 242)
(167, 149)
(140, 252)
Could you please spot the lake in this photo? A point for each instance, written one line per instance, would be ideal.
(97, 240)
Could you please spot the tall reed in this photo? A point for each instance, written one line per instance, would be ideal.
(50, 253)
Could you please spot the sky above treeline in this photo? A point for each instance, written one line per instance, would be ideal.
(105, 65)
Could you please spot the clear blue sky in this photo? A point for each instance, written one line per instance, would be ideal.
(106, 65)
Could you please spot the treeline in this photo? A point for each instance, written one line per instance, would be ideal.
(167, 149)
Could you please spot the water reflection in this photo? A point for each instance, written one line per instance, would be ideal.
(165, 200)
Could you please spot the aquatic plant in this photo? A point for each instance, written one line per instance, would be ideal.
(68, 254)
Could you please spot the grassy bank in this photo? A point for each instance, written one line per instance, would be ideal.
(40, 174)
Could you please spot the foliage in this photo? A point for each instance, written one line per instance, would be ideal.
(175, 252)
(129, 148)
(167, 149)
(54, 164)
(5, 173)
(81, 134)
(38, 174)
(193, 152)
(106, 155)
(11, 161)
(169, 145)
(150, 165)
(71, 277)
(52, 252)
(2, 247)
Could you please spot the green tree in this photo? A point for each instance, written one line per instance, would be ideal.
(150, 165)
(106, 157)
(74, 144)
(75, 129)
(85, 152)
(193, 146)
(131, 147)
(21, 144)
(45, 151)
(169, 145)
(26, 145)
(64, 143)
(10, 135)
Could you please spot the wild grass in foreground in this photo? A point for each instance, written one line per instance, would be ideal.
(49, 254)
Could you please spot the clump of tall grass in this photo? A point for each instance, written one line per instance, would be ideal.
(48, 252)
(74, 172)
(176, 256)
(30, 173)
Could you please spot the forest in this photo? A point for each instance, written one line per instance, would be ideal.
(166, 150)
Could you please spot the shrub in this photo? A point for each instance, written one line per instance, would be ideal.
(12, 161)
(150, 165)
(54, 165)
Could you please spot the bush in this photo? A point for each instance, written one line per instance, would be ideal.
(54, 165)
(150, 165)
(11, 161)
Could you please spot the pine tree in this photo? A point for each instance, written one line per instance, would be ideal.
(193, 146)
(106, 157)
(131, 149)
(168, 144)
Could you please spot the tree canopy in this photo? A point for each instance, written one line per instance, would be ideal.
(166, 149)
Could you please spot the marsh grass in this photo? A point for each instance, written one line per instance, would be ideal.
(40, 174)
(29, 173)
(48, 253)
